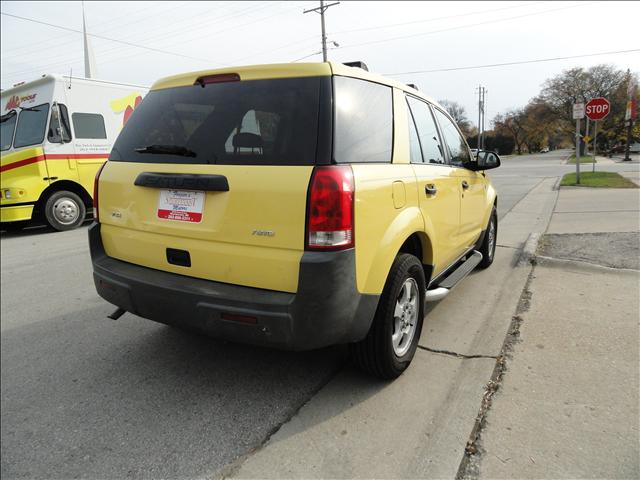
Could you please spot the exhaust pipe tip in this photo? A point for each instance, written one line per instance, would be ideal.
(117, 314)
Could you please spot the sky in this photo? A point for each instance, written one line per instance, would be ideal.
(390, 37)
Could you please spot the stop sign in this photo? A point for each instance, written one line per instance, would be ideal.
(597, 108)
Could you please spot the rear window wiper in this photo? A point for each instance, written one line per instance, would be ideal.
(167, 149)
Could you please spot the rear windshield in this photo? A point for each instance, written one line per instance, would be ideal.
(257, 122)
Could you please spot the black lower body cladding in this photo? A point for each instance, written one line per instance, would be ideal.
(326, 310)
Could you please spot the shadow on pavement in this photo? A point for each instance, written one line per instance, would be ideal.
(87, 397)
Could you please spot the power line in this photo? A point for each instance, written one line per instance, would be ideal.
(106, 38)
(402, 37)
(64, 60)
(305, 39)
(50, 41)
(217, 33)
(491, 65)
(435, 19)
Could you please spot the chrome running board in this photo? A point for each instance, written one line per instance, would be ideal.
(446, 284)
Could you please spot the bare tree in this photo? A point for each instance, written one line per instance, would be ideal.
(512, 123)
(459, 114)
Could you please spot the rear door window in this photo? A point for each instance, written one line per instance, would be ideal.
(32, 122)
(432, 148)
(7, 127)
(458, 149)
(363, 129)
(251, 122)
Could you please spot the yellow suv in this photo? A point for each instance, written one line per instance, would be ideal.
(294, 206)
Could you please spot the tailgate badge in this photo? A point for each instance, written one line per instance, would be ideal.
(264, 233)
(116, 214)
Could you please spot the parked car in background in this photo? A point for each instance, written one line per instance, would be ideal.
(55, 132)
(295, 206)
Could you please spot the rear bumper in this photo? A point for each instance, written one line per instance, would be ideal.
(326, 310)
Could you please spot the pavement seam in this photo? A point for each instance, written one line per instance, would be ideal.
(456, 354)
(565, 261)
(598, 211)
(234, 467)
(542, 179)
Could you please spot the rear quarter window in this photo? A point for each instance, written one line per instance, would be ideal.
(363, 128)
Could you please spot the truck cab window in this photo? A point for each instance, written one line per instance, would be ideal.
(32, 122)
(59, 130)
(7, 127)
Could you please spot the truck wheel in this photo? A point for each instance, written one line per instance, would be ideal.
(488, 247)
(388, 348)
(64, 210)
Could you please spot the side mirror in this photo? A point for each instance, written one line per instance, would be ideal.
(487, 160)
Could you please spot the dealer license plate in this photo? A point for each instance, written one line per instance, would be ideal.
(181, 205)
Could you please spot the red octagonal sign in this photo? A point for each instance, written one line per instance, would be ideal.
(597, 108)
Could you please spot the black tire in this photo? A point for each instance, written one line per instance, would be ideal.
(64, 210)
(375, 354)
(488, 247)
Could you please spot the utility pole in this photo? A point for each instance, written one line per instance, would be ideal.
(481, 111)
(321, 9)
(484, 114)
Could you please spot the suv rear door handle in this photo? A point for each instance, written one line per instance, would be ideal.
(430, 189)
(465, 185)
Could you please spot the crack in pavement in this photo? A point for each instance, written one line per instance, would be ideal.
(509, 246)
(455, 354)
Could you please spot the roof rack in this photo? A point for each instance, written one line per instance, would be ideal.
(413, 85)
(357, 64)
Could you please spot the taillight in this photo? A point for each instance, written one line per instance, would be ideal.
(96, 216)
(330, 208)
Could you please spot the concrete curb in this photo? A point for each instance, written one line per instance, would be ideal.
(528, 254)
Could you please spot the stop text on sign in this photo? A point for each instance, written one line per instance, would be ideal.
(597, 108)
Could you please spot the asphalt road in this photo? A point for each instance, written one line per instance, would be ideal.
(84, 396)
(518, 175)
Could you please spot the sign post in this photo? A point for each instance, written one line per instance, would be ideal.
(578, 114)
(596, 109)
(595, 136)
(630, 114)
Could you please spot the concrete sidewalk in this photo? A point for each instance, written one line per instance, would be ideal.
(568, 404)
(418, 425)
